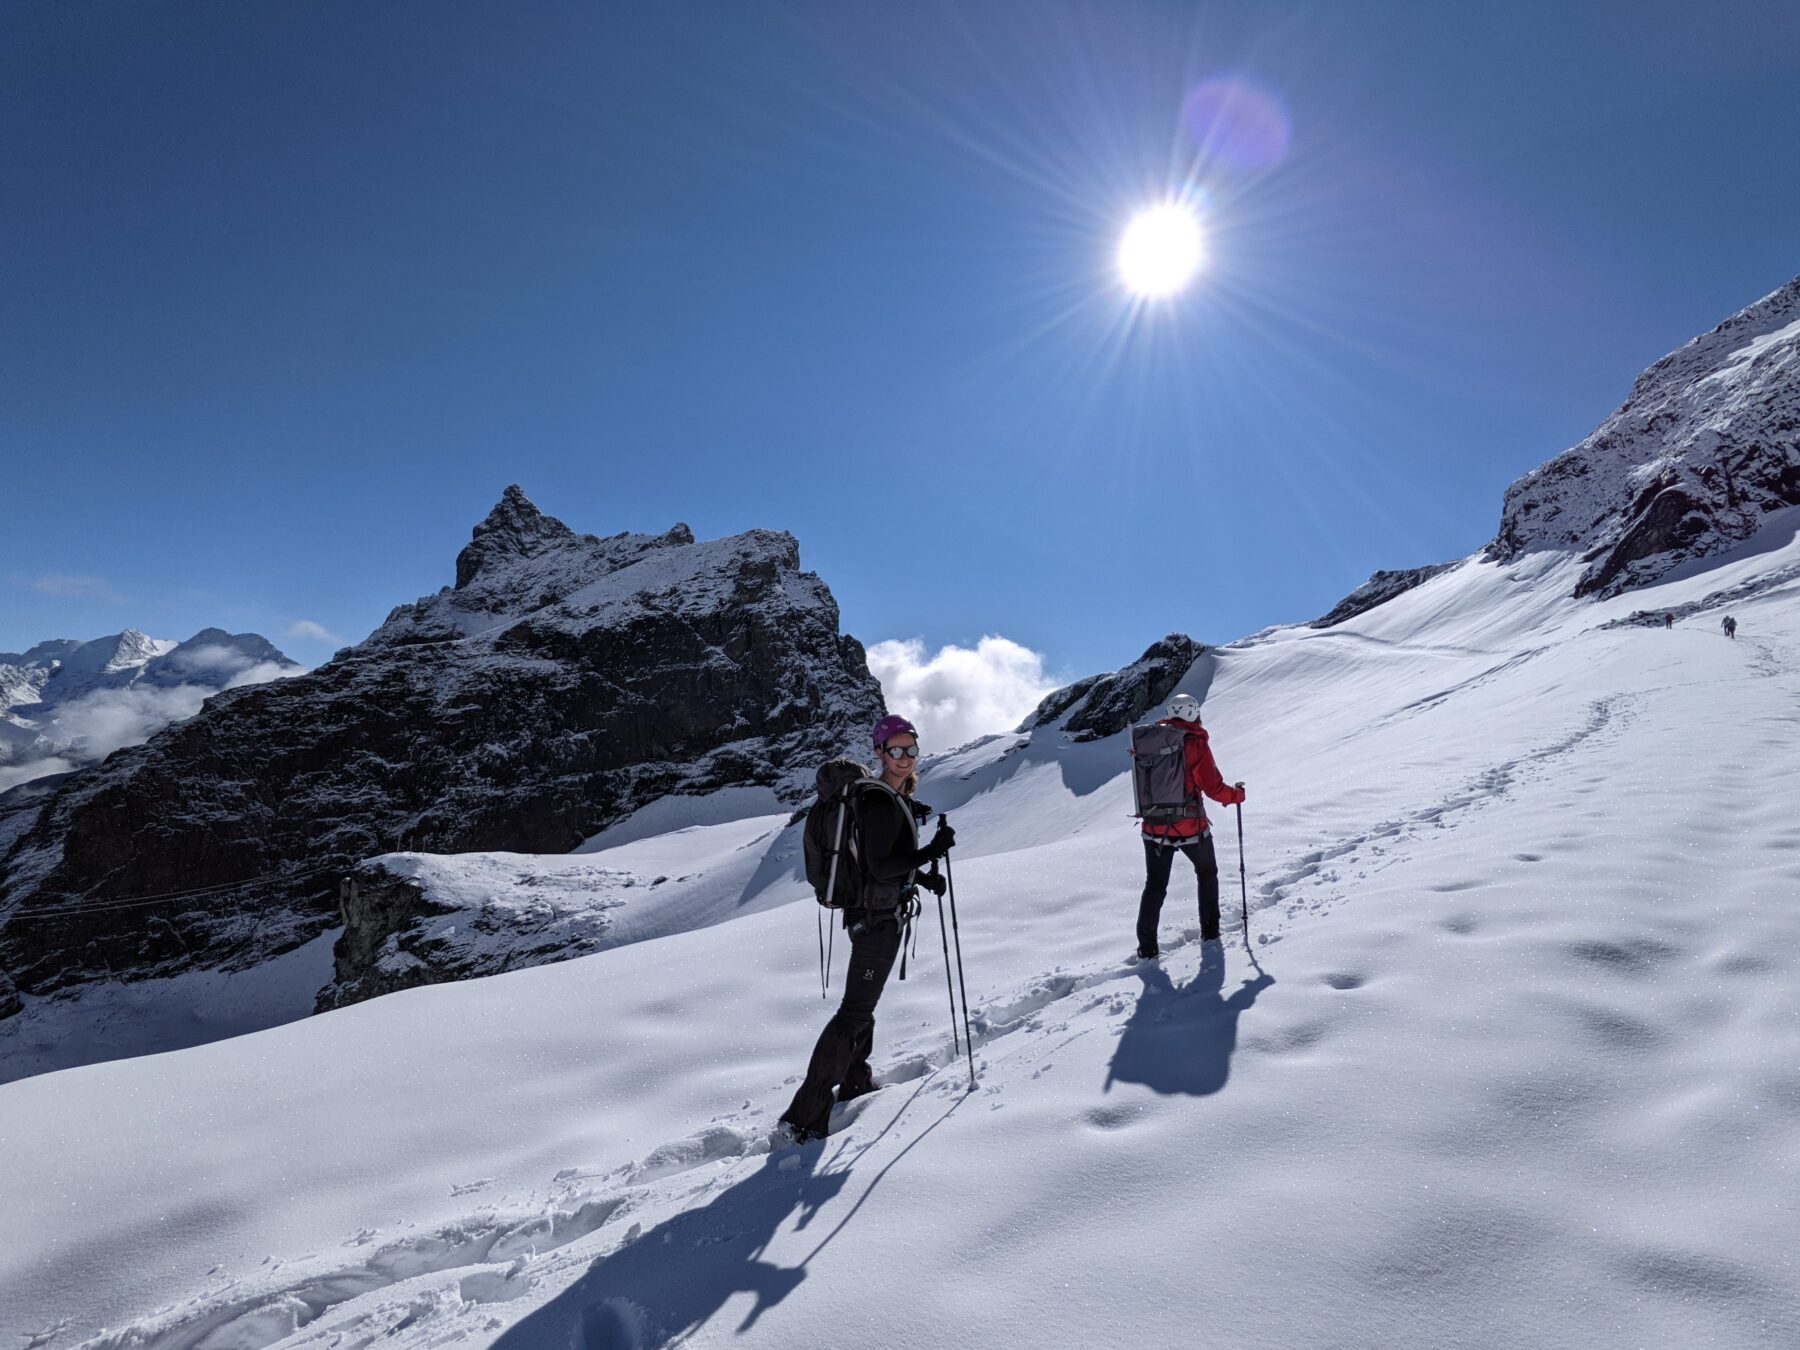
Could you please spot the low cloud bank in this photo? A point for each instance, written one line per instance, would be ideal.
(960, 693)
(89, 727)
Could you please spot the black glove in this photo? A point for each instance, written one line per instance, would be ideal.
(941, 842)
(932, 882)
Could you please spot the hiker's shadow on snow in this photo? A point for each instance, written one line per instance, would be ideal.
(672, 1279)
(1181, 1040)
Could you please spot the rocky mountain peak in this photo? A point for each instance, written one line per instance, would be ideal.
(515, 528)
(565, 682)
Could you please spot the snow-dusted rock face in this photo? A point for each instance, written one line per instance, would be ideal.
(1707, 445)
(564, 682)
(1102, 705)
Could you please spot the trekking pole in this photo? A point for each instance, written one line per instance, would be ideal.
(1243, 882)
(821, 914)
(956, 932)
(944, 932)
(837, 849)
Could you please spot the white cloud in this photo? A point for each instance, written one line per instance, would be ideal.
(313, 632)
(960, 693)
(237, 667)
(69, 586)
(96, 724)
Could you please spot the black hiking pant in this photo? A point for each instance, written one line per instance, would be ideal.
(1159, 858)
(839, 1068)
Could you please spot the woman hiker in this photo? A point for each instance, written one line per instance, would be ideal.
(1192, 836)
(887, 888)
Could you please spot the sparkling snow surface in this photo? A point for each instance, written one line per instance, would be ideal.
(1519, 1064)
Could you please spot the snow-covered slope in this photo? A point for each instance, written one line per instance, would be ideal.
(1513, 1065)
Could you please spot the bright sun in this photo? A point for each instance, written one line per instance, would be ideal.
(1161, 251)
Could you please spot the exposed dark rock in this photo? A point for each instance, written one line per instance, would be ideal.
(566, 681)
(1102, 705)
(1378, 590)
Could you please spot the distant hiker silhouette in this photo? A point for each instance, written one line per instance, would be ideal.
(1172, 768)
(1180, 1041)
(1729, 624)
(659, 1287)
(1668, 621)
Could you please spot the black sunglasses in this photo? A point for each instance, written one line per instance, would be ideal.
(900, 751)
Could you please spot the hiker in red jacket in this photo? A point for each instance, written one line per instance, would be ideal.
(1192, 837)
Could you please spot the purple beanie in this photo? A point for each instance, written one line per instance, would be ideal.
(891, 726)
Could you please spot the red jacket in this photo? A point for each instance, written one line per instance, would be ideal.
(1203, 776)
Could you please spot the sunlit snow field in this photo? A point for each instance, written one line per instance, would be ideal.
(1517, 1062)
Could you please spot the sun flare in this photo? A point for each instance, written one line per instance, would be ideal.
(1162, 251)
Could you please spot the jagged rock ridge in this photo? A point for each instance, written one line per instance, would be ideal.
(564, 682)
(1102, 705)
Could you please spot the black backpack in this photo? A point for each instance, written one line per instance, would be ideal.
(1159, 776)
(833, 836)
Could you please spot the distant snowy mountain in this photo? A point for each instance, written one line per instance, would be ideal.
(563, 683)
(66, 703)
(1704, 450)
(1698, 458)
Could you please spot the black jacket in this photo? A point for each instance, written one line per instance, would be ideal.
(891, 852)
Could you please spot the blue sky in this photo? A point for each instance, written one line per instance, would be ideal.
(293, 291)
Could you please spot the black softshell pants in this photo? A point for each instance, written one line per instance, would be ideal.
(839, 1068)
(1158, 860)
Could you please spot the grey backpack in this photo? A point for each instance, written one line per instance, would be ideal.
(1159, 776)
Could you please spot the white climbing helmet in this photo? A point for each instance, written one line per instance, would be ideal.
(1185, 707)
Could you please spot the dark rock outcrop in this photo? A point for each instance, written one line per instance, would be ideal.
(1102, 705)
(1378, 590)
(564, 682)
(1706, 447)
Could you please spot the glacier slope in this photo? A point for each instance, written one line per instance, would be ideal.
(1513, 1064)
